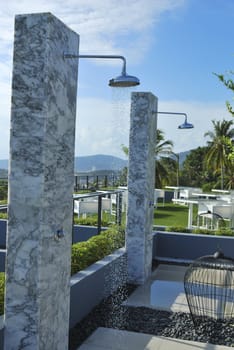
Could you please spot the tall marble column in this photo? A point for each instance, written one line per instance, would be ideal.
(141, 179)
(41, 176)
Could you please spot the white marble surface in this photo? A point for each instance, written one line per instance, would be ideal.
(164, 290)
(44, 89)
(115, 339)
(141, 177)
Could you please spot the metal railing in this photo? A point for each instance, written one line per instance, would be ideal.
(100, 196)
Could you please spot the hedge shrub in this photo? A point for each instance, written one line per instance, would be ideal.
(97, 247)
(224, 232)
(2, 291)
(178, 229)
(3, 216)
(91, 221)
(202, 231)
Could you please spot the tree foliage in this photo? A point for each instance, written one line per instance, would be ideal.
(229, 83)
(217, 157)
(163, 165)
(194, 173)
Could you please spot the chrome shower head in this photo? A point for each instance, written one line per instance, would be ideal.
(186, 125)
(124, 80)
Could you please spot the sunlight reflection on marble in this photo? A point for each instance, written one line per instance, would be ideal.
(164, 290)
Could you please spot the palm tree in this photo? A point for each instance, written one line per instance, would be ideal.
(218, 150)
(163, 149)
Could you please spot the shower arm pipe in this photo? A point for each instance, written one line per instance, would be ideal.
(185, 125)
(176, 113)
(69, 55)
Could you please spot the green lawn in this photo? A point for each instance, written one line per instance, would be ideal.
(171, 215)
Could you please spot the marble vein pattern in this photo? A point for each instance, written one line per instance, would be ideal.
(141, 177)
(41, 176)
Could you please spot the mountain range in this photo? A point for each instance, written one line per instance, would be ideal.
(89, 163)
(98, 162)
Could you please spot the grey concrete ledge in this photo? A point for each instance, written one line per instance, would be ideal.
(174, 246)
(92, 269)
(91, 285)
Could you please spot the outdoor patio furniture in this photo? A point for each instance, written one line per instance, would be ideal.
(206, 217)
(209, 288)
(225, 211)
(91, 206)
(159, 193)
(187, 192)
(85, 207)
(214, 214)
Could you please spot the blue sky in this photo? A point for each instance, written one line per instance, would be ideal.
(173, 46)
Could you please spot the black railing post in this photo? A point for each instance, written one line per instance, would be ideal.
(118, 215)
(119, 219)
(105, 181)
(99, 213)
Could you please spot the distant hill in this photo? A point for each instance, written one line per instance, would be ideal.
(3, 174)
(183, 156)
(99, 162)
(3, 164)
(90, 163)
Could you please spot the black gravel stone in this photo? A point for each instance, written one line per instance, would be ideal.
(112, 314)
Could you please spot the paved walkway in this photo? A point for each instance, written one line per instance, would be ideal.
(113, 339)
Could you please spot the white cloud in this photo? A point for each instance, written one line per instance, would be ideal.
(107, 26)
(102, 126)
(104, 26)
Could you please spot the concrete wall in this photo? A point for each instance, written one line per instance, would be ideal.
(182, 246)
(95, 283)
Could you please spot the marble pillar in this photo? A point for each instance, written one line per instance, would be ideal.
(41, 176)
(141, 179)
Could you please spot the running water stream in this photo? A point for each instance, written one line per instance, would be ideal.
(120, 120)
